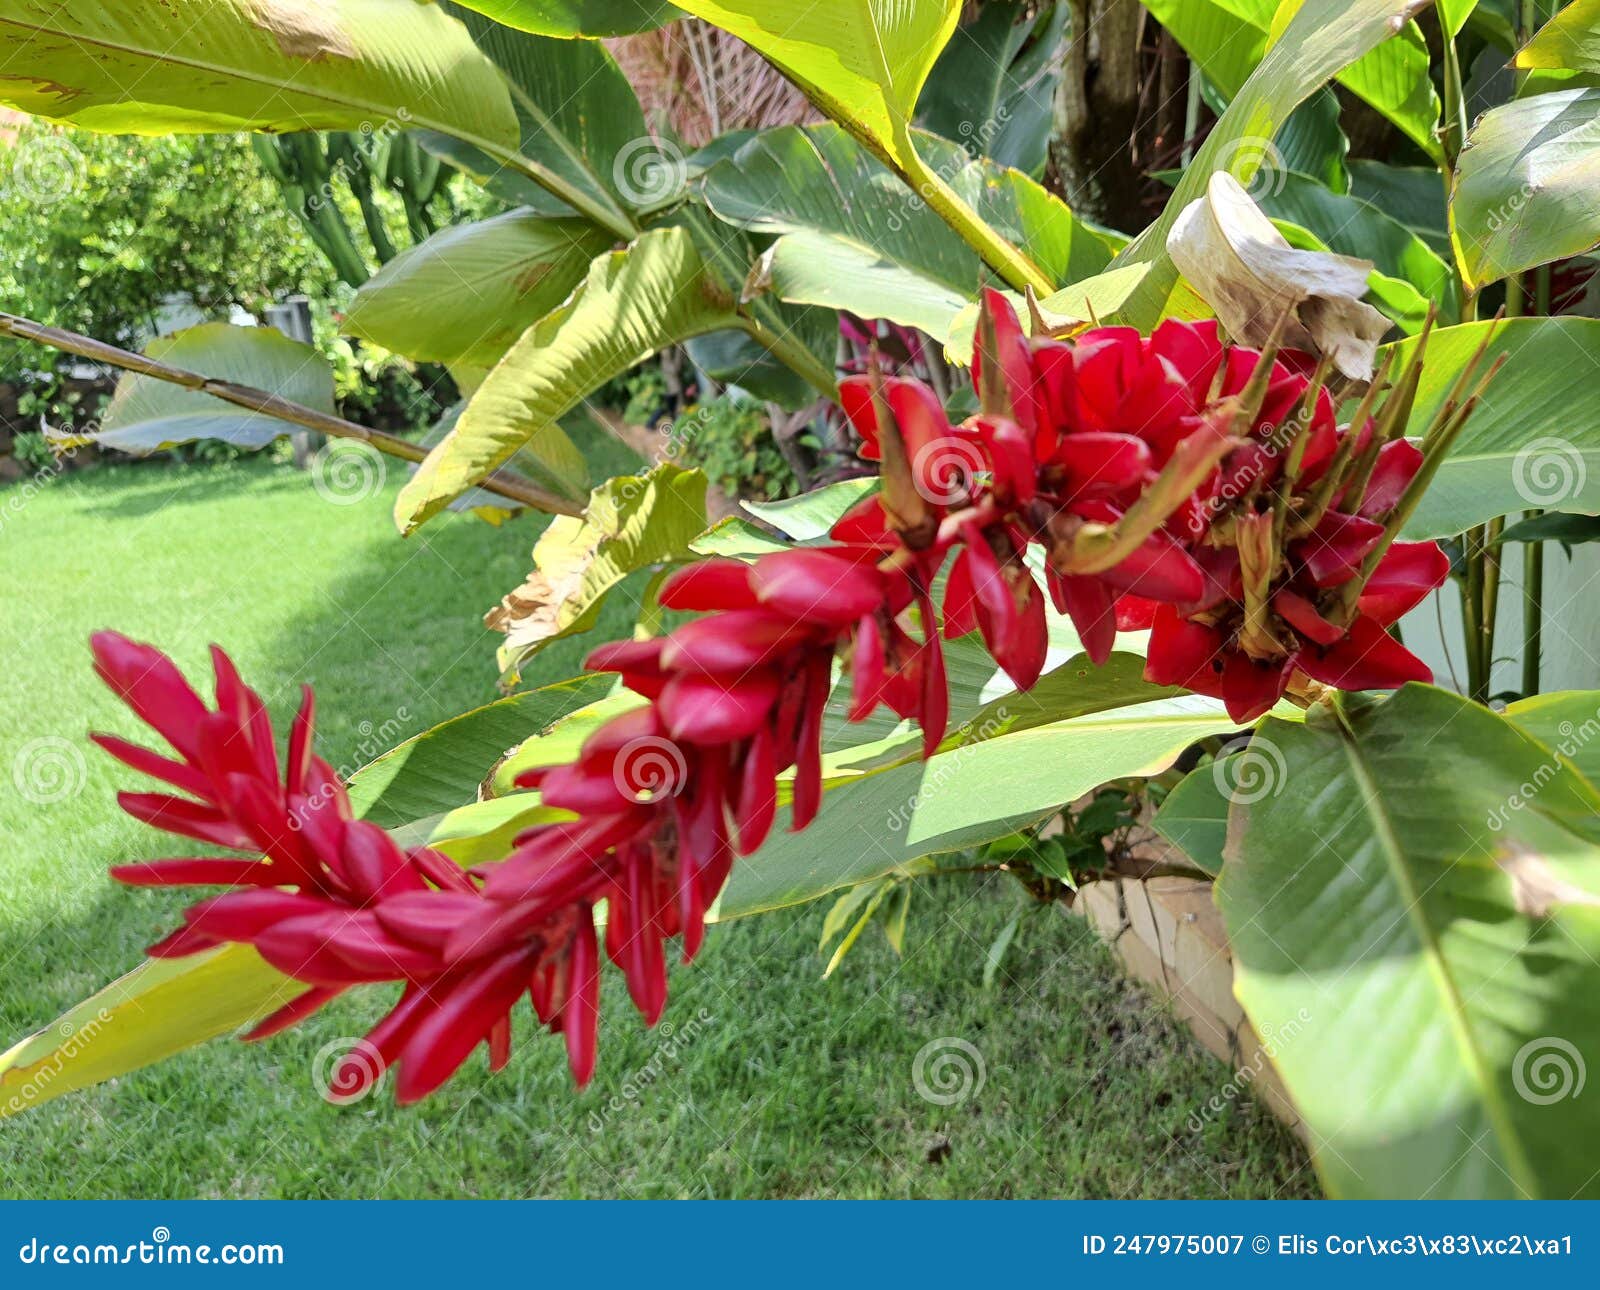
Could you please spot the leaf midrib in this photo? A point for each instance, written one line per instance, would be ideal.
(1439, 968)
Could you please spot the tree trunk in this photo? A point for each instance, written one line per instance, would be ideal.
(1097, 112)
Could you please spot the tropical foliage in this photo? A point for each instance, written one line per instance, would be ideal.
(1207, 463)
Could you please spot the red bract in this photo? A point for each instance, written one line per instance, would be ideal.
(1170, 482)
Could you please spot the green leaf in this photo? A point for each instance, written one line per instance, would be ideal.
(1311, 143)
(1225, 38)
(1039, 766)
(844, 910)
(852, 236)
(995, 955)
(811, 515)
(433, 774)
(736, 358)
(1424, 960)
(1230, 38)
(632, 523)
(1413, 195)
(1324, 38)
(1351, 226)
(634, 302)
(1568, 530)
(1568, 723)
(468, 292)
(138, 66)
(146, 414)
(567, 18)
(1029, 755)
(863, 62)
(1194, 818)
(993, 88)
(484, 832)
(877, 892)
(1525, 188)
(1394, 78)
(1570, 40)
(894, 927)
(1534, 442)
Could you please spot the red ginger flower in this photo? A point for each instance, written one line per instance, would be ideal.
(1156, 474)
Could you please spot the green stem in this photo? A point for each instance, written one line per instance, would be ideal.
(1191, 115)
(1532, 613)
(1472, 617)
(1453, 126)
(1491, 597)
(1000, 255)
(793, 355)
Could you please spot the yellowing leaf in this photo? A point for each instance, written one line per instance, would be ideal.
(159, 1009)
(863, 62)
(152, 67)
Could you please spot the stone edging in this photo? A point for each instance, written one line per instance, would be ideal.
(1168, 934)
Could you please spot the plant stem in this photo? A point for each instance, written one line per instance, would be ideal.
(513, 487)
(1472, 615)
(1491, 596)
(1532, 613)
(1000, 255)
(793, 355)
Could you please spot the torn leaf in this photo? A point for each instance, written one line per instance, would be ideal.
(1247, 271)
(633, 523)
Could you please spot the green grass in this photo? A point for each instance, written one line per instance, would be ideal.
(772, 1082)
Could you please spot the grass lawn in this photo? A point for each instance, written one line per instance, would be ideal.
(771, 1083)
